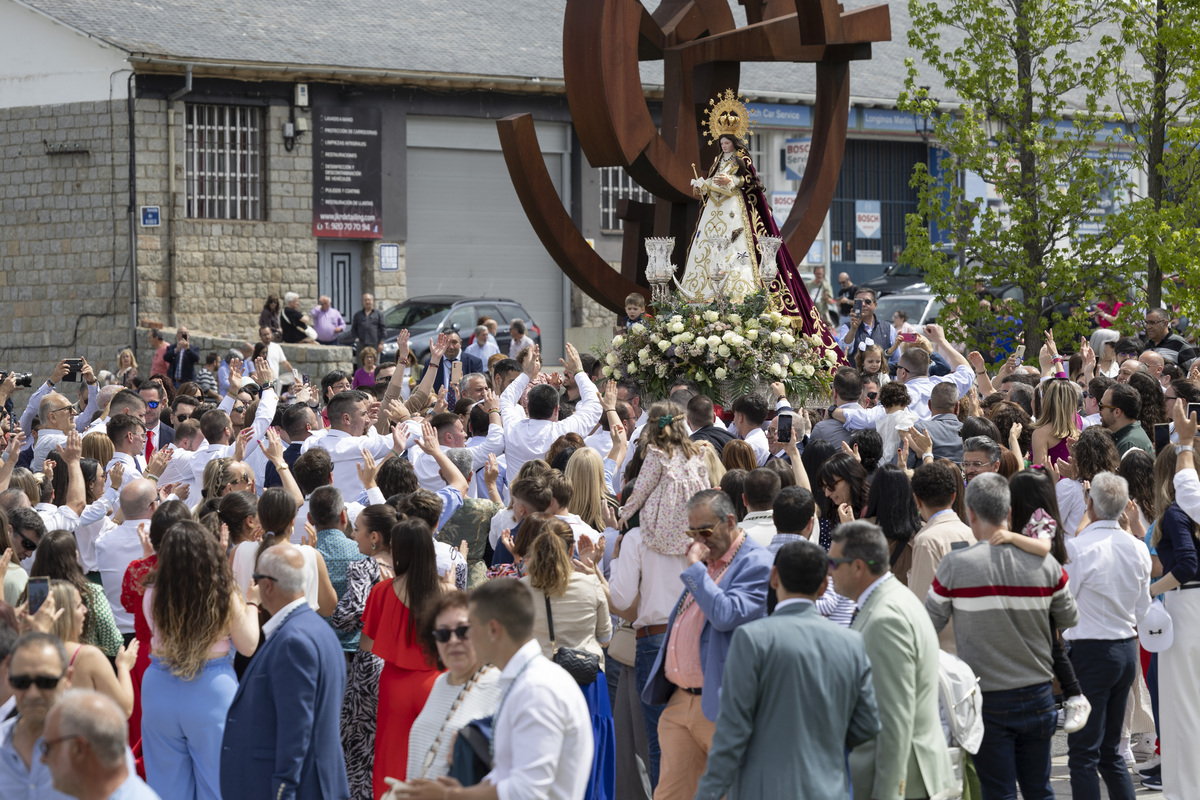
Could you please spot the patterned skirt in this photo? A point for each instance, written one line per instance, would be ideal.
(358, 721)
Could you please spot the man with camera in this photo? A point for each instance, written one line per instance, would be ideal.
(57, 415)
(182, 358)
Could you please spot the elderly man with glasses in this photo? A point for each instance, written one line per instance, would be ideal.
(1159, 338)
(725, 586)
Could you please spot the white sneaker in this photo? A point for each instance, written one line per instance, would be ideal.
(1077, 709)
(1143, 745)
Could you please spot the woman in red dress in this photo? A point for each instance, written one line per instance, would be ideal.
(391, 631)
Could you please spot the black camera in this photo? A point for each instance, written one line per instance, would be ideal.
(74, 366)
(24, 379)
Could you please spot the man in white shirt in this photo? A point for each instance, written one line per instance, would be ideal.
(484, 346)
(274, 353)
(749, 414)
(913, 372)
(561, 493)
(351, 432)
(188, 441)
(542, 728)
(651, 579)
(60, 371)
(56, 414)
(758, 492)
(125, 401)
(449, 429)
(526, 439)
(119, 545)
(1109, 577)
(128, 436)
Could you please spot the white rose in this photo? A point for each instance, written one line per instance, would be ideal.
(737, 341)
(719, 373)
(775, 337)
(807, 370)
(777, 370)
(713, 341)
(611, 358)
(711, 316)
(752, 334)
(606, 372)
(723, 351)
(664, 345)
(686, 336)
(700, 344)
(676, 339)
(796, 365)
(676, 327)
(637, 327)
(788, 340)
(735, 319)
(676, 318)
(644, 354)
(618, 341)
(831, 354)
(632, 368)
(727, 337)
(785, 359)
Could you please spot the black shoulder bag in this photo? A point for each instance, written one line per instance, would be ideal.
(579, 664)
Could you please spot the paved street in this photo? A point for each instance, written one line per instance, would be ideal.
(1060, 779)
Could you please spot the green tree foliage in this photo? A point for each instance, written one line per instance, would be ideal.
(1032, 77)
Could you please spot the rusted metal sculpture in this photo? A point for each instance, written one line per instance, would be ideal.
(700, 46)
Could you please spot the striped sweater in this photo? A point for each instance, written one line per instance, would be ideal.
(1003, 601)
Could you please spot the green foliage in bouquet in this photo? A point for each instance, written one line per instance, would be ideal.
(728, 352)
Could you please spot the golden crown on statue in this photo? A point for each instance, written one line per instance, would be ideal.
(728, 115)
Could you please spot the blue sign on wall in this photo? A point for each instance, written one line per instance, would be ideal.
(150, 217)
(882, 119)
(777, 115)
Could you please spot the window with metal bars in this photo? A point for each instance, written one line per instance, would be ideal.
(225, 162)
(616, 185)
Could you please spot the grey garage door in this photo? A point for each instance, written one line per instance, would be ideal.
(467, 232)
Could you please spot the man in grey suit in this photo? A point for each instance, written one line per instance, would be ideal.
(847, 388)
(792, 669)
(943, 430)
(909, 758)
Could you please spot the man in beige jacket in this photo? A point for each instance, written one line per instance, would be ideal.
(935, 485)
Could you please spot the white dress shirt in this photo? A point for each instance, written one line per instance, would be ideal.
(919, 390)
(48, 439)
(57, 517)
(580, 528)
(133, 467)
(648, 576)
(91, 523)
(527, 439)
(429, 475)
(757, 439)
(1187, 492)
(179, 470)
(116, 548)
(345, 451)
(542, 731)
(515, 347)
(1109, 575)
(759, 526)
(1071, 504)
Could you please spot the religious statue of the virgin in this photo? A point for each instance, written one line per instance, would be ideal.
(733, 215)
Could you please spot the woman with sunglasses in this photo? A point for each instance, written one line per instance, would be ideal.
(843, 481)
(466, 691)
(197, 619)
(373, 535)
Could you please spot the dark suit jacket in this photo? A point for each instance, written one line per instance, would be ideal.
(166, 436)
(290, 454)
(740, 598)
(715, 435)
(282, 737)
(191, 357)
(946, 432)
(469, 364)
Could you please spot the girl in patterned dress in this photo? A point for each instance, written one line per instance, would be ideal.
(672, 472)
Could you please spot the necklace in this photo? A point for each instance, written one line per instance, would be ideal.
(688, 598)
(462, 694)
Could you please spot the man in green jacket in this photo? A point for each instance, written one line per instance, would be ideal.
(909, 758)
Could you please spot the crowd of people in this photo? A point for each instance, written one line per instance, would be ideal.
(476, 578)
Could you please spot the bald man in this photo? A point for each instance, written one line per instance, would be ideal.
(85, 742)
(119, 545)
(1154, 363)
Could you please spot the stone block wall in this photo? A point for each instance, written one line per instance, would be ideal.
(313, 360)
(63, 234)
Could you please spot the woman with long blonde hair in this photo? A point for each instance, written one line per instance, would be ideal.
(589, 494)
(197, 618)
(1057, 426)
(574, 605)
(672, 472)
(127, 368)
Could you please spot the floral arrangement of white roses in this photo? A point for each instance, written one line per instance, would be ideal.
(728, 352)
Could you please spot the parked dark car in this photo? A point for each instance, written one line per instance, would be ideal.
(426, 317)
(897, 277)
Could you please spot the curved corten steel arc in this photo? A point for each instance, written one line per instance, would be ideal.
(701, 48)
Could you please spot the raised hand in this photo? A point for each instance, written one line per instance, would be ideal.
(779, 390)
(72, 451)
(263, 372)
(401, 348)
(116, 474)
(975, 358)
(127, 656)
(235, 376)
(159, 461)
(437, 349)
(491, 470)
(919, 441)
(608, 399)
(273, 449)
(429, 442)
(310, 535)
(243, 440)
(533, 363)
(367, 470)
(572, 363)
(440, 406)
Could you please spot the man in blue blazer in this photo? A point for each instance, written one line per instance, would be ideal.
(281, 735)
(454, 353)
(725, 585)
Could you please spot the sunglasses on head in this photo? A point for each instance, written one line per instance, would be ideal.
(43, 682)
(443, 634)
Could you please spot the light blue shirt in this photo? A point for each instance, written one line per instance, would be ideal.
(134, 788)
(35, 783)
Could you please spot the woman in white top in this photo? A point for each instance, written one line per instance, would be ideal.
(467, 690)
(581, 621)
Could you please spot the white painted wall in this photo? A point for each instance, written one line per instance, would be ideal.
(45, 63)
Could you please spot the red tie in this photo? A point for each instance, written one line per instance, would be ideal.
(149, 445)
